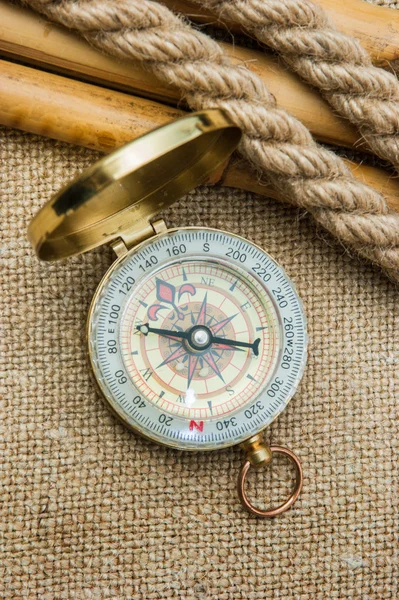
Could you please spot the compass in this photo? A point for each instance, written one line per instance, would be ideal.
(196, 336)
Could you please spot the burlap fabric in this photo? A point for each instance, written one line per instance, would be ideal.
(90, 511)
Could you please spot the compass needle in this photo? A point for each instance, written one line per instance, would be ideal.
(169, 333)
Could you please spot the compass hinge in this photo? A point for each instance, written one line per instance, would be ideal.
(131, 238)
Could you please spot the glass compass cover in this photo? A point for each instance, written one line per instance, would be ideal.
(197, 338)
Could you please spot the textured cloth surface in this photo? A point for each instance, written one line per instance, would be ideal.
(89, 510)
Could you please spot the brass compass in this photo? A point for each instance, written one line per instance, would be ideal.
(196, 336)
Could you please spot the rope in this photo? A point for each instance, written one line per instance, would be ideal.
(331, 61)
(276, 143)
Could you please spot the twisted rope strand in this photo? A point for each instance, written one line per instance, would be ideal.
(275, 142)
(333, 62)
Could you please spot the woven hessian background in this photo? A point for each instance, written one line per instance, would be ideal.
(91, 511)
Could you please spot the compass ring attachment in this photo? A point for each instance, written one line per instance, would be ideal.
(260, 454)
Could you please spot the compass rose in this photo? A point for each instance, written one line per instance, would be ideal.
(199, 343)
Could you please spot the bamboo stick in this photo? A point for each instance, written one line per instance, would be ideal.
(73, 111)
(91, 116)
(27, 37)
(376, 27)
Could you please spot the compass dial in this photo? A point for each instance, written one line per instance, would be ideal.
(197, 338)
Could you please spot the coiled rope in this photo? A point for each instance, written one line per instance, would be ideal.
(279, 146)
(332, 62)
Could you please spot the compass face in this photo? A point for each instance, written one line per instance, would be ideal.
(197, 339)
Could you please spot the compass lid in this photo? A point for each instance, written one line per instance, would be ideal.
(119, 195)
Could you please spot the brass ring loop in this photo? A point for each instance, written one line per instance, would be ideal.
(272, 512)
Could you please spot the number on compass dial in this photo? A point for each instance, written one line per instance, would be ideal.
(199, 340)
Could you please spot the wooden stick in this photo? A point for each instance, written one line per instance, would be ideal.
(27, 37)
(376, 27)
(91, 116)
(73, 111)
